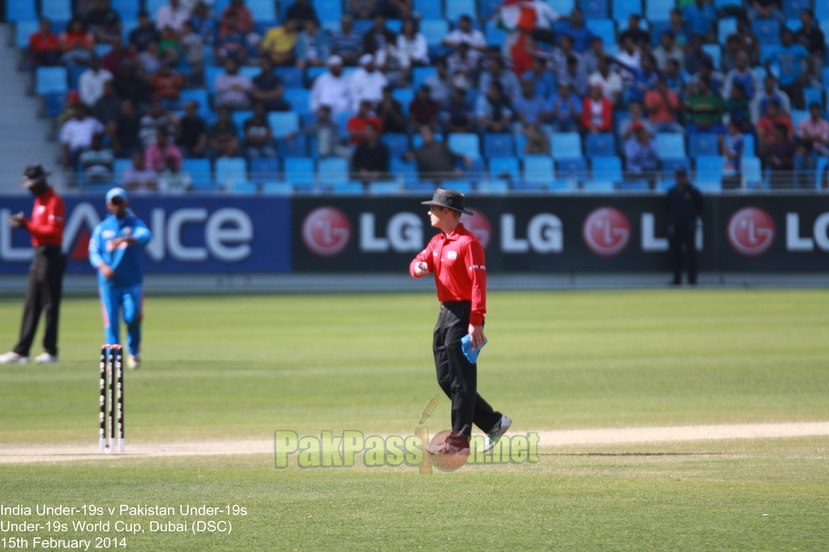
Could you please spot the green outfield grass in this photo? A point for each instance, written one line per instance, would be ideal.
(242, 367)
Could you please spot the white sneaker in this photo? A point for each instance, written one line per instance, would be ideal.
(13, 358)
(133, 362)
(495, 433)
(45, 358)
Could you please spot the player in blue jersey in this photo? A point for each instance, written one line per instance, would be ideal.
(113, 250)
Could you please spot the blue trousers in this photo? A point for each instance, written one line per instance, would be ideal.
(113, 298)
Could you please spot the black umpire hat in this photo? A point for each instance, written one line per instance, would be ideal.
(33, 174)
(451, 199)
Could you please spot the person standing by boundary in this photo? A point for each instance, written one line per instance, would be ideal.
(456, 258)
(46, 272)
(113, 251)
(684, 206)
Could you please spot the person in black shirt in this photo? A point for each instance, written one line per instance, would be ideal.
(191, 131)
(123, 131)
(104, 22)
(371, 159)
(810, 35)
(640, 37)
(107, 107)
(684, 207)
(145, 33)
(301, 10)
(268, 88)
(130, 86)
(378, 36)
(258, 134)
(390, 111)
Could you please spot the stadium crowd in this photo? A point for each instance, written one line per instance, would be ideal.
(382, 91)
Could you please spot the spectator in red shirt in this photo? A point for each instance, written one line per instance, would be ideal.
(597, 112)
(772, 118)
(44, 46)
(244, 17)
(356, 125)
(166, 85)
(77, 44)
(157, 156)
(663, 106)
(423, 110)
(46, 273)
(113, 59)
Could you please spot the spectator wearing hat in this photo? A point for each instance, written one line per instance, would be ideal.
(371, 159)
(46, 272)
(363, 119)
(596, 112)
(345, 42)
(366, 83)
(563, 110)
(641, 153)
(423, 110)
(44, 46)
(684, 206)
(663, 106)
(76, 135)
(667, 49)
(279, 43)
(269, 89)
(331, 89)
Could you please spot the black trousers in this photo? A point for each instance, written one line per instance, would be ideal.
(684, 236)
(456, 375)
(43, 294)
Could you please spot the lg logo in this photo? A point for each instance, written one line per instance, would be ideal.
(751, 231)
(326, 231)
(606, 231)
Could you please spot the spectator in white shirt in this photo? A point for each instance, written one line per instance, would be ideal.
(411, 45)
(76, 135)
(465, 34)
(232, 89)
(610, 81)
(331, 89)
(91, 82)
(172, 16)
(366, 83)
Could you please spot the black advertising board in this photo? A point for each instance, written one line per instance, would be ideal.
(757, 233)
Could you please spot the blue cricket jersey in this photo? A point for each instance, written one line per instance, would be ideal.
(124, 260)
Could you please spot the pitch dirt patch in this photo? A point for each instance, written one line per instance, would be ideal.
(10, 454)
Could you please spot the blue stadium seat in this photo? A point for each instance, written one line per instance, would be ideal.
(565, 145)
(406, 169)
(634, 186)
(720, 4)
(418, 187)
(794, 24)
(463, 186)
(247, 188)
(313, 72)
(331, 25)
(599, 187)
(769, 52)
(493, 187)
(20, 9)
(564, 7)
(504, 168)
(604, 28)
(405, 97)
(487, 8)
(528, 187)
(383, 188)
(331, 8)
(813, 94)
(725, 27)
(670, 165)
(659, 10)
(56, 10)
(821, 166)
(230, 170)
(199, 171)
(398, 144)
(598, 145)
(51, 80)
(670, 145)
(767, 30)
(249, 71)
(709, 186)
(332, 170)
(752, 172)
(277, 188)
(572, 169)
(494, 35)
(199, 95)
(702, 144)
(417, 141)
(210, 74)
(299, 171)
(622, 9)
(127, 26)
(128, 9)
(656, 30)
(792, 8)
(799, 115)
(347, 188)
(826, 78)
(429, 9)
(824, 25)
(23, 29)
(465, 144)
(457, 8)
(562, 187)
(498, 145)
(709, 168)
(434, 30)
(715, 52)
(120, 166)
(300, 100)
(283, 122)
(54, 104)
(239, 117)
(420, 74)
(264, 169)
(291, 76)
(748, 150)
(594, 9)
(607, 168)
(152, 6)
(538, 169)
(263, 10)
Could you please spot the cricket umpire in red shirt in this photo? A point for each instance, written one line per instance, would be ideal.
(456, 258)
(46, 271)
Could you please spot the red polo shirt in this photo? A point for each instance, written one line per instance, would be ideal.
(48, 218)
(457, 261)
